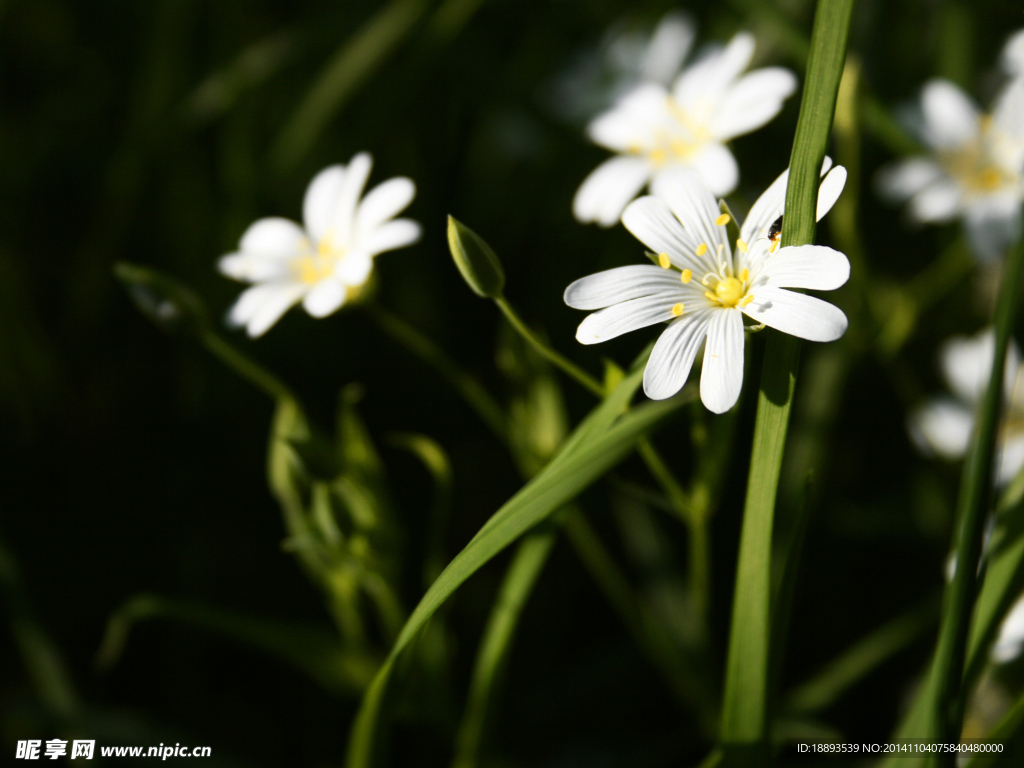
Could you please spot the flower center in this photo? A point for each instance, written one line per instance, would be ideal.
(313, 266)
(729, 291)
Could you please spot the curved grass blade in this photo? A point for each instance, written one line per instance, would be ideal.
(578, 465)
(309, 649)
(744, 726)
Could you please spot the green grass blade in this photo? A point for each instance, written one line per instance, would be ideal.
(578, 465)
(348, 69)
(492, 657)
(744, 727)
(946, 705)
(309, 649)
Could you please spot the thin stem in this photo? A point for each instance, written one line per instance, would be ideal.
(555, 358)
(972, 509)
(471, 390)
(244, 367)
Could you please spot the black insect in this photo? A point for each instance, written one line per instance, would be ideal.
(775, 231)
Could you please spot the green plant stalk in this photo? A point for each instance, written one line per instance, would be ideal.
(972, 509)
(744, 720)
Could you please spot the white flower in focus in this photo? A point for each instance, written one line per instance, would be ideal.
(975, 171)
(943, 427)
(656, 132)
(1010, 642)
(703, 288)
(327, 262)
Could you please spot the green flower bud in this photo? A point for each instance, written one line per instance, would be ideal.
(168, 303)
(476, 261)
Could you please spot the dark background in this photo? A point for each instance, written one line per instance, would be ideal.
(132, 462)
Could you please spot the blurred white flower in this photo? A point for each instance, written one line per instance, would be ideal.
(702, 287)
(975, 171)
(1010, 642)
(656, 132)
(943, 426)
(327, 262)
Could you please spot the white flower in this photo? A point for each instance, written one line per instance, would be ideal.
(703, 287)
(327, 262)
(656, 132)
(976, 168)
(1010, 642)
(943, 426)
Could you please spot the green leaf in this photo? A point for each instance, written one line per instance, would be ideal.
(353, 63)
(586, 456)
(309, 649)
(744, 708)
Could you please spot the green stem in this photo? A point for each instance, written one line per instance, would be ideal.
(582, 377)
(744, 711)
(972, 509)
(256, 374)
(485, 406)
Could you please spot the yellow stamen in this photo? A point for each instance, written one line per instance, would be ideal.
(741, 245)
(745, 275)
(710, 295)
(702, 249)
(729, 292)
(686, 276)
(722, 220)
(663, 261)
(658, 157)
(775, 245)
(747, 300)
(677, 310)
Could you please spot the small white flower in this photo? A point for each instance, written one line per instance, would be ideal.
(703, 288)
(657, 132)
(976, 168)
(943, 427)
(327, 262)
(1010, 642)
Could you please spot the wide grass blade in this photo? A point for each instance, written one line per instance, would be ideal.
(744, 726)
(579, 463)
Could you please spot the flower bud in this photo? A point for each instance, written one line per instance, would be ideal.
(168, 303)
(476, 261)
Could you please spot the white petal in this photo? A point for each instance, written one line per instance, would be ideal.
(950, 117)
(321, 200)
(718, 168)
(1010, 642)
(694, 205)
(902, 180)
(673, 354)
(814, 267)
(324, 298)
(609, 188)
(1008, 117)
(992, 225)
(344, 216)
(354, 269)
(796, 314)
(942, 427)
(722, 376)
(383, 202)
(254, 268)
(261, 306)
(272, 236)
(620, 284)
(650, 220)
(704, 83)
(966, 363)
(395, 234)
(634, 119)
(1012, 58)
(625, 317)
(937, 202)
(668, 47)
(755, 99)
(770, 205)
(1010, 459)
(829, 190)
